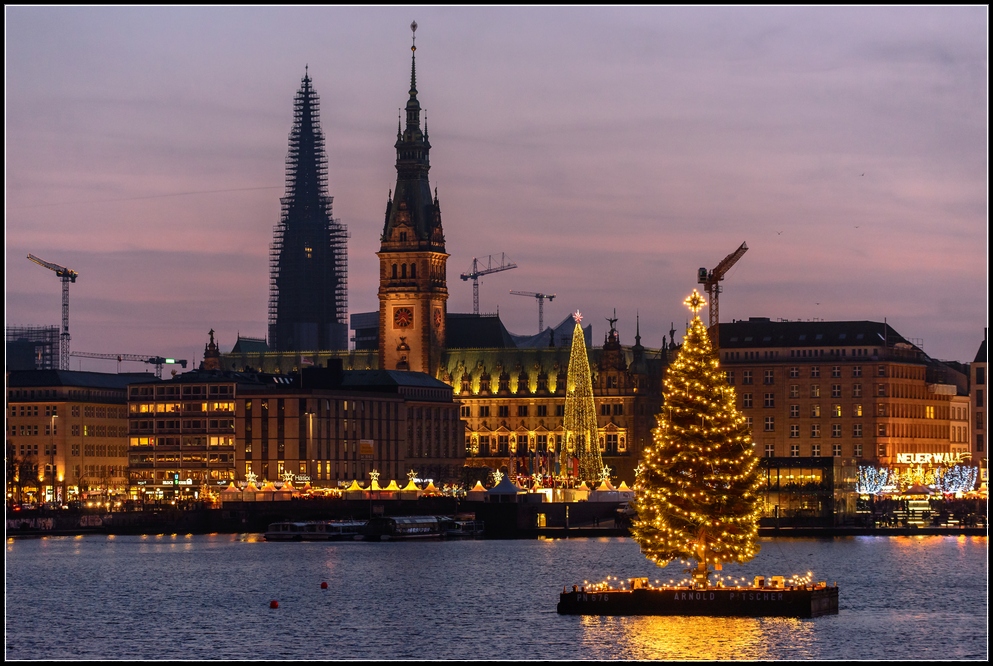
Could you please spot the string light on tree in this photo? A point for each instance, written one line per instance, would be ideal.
(581, 440)
(696, 489)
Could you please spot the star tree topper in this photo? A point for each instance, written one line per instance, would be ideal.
(577, 316)
(695, 302)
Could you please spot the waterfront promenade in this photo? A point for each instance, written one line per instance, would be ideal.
(502, 520)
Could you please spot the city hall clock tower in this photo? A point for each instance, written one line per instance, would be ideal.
(413, 288)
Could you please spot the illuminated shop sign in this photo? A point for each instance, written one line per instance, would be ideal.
(929, 458)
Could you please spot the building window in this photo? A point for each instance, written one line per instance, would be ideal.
(794, 372)
(836, 371)
(856, 390)
(465, 411)
(979, 397)
(881, 390)
(541, 441)
(835, 390)
(815, 450)
(856, 371)
(746, 400)
(857, 430)
(881, 430)
(836, 411)
(815, 430)
(815, 371)
(542, 410)
(857, 410)
(794, 390)
(770, 450)
(770, 424)
(882, 371)
(815, 411)
(611, 442)
(604, 410)
(770, 377)
(794, 411)
(503, 445)
(746, 376)
(729, 376)
(748, 422)
(522, 410)
(618, 409)
(857, 450)
(979, 443)
(794, 450)
(795, 431)
(503, 411)
(770, 399)
(929, 411)
(835, 430)
(484, 411)
(815, 391)
(560, 410)
(836, 450)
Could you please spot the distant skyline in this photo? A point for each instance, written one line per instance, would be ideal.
(608, 152)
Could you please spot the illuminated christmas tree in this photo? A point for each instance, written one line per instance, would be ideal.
(696, 487)
(581, 439)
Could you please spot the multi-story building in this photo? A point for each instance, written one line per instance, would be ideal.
(206, 428)
(67, 434)
(308, 299)
(852, 389)
(979, 398)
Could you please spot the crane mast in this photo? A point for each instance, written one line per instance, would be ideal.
(710, 280)
(66, 275)
(541, 304)
(492, 266)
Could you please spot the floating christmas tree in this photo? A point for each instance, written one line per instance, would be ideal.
(582, 441)
(696, 487)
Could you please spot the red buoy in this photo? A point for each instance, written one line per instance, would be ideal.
(324, 585)
(273, 604)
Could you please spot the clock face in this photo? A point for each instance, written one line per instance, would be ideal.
(437, 318)
(403, 318)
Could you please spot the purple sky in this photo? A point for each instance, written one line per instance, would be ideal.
(609, 153)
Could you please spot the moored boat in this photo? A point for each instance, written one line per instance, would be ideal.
(314, 530)
(402, 527)
(463, 529)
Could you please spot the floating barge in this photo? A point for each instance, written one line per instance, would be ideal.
(759, 600)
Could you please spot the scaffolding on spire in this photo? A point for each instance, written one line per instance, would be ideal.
(308, 260)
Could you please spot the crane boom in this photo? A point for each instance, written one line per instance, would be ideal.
(477, 270)
(710, 280)
(541, 304)
(157, 361)
(66, 275)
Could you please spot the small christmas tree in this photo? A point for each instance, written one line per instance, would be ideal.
(582, 440)
(696, 487)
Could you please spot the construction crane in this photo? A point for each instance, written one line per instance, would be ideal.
(157, 361)
(541, 304)
(710, 280)
(67, 275)
(492, 266)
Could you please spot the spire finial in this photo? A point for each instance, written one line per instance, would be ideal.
(413, 58)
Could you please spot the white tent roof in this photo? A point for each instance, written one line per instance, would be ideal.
(505, 487)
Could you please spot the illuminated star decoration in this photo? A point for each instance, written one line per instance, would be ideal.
(605, 474)
(577, 316)
(288, 476)
(251, 477)
(497, 476)
(695, 302)
(411, 475)
(374, 475)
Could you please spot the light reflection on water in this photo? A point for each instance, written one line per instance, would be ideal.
(207, 597)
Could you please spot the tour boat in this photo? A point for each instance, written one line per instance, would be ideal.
(315, 530)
